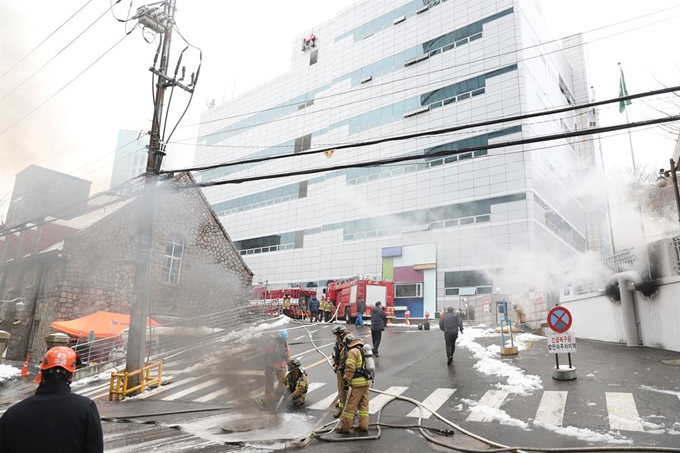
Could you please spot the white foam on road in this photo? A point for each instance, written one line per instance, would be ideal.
(585, 434)
(8, 372)
(492, 399)
(654, 389)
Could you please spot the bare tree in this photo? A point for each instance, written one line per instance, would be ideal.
(655, 202)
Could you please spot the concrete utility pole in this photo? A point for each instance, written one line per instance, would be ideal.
(140, 296)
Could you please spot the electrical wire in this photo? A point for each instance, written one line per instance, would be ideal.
(65, 86)
(127, 19)
(45, 40)
(57, 54)
(495, 121)
(480, 60)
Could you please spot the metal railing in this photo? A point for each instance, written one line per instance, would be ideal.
(172, 334)
(118, 387)
(675, 242)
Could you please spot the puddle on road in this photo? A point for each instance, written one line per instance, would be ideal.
(274, 429)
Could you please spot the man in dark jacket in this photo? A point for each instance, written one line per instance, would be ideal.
(450, 323)
(314, 309)
(54, 419)
(361, 308)
(378, 322)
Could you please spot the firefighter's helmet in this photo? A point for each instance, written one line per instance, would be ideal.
(59, 356)
(339, 330)
(283, 334)
(295, 363)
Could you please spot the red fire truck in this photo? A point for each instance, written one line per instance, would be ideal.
(345, 293)
(269, 300)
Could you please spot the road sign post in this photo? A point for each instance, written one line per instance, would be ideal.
(560, 340)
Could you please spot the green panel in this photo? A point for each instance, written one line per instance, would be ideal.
(388, 268)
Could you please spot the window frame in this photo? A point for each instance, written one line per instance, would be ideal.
(418, 286)
(168, 271)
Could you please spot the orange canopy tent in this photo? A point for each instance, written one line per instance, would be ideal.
(103, 323)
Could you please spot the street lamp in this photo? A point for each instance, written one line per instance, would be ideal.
(662, 181)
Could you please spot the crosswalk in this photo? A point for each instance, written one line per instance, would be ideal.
(218, 388)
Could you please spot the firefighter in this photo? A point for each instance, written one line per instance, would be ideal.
(327, 307)
(286, 305)
(339, 356)
(54, 419)
(355, 382)
(296, 381)
(277, 356)
(520, 316)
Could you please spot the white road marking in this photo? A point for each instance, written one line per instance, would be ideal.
(315, 385)
(191, 390)
(240, 372)
(324, 403)
(85, 390)
(299, 338)
(169, 386)
(220, 392)
(622, 411)
(379, 401)
(252, 395)
(95, 396)
(313, 331)
(551, 408)
(492, 399)
(433, 402)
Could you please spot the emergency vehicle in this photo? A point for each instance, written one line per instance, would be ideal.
(269, 300)
(345, 293)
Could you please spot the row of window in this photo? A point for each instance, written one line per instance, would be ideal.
(433, 47)
(560, 227)
(478, 211)
(362, 175)
(390, 19)
(388, 65)
(419, 104)
(467, 283)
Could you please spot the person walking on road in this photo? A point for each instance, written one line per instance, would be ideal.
(361, 308)
(277, 357)
(339, 357)
(327, 308)
(314, 309)
(450, 323)
(378, 322)
(355, 383)
(296, 381)
(54, 419)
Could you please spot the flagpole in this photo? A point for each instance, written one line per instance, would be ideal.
(612, 244)
(622, 88)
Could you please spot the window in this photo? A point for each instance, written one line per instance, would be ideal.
(313, 57)
(174, 250)
(302, 143)
(408, 290)
(366, 74)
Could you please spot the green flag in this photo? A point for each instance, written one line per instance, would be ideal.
(623, 91)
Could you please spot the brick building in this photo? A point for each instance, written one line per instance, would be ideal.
(68, 268)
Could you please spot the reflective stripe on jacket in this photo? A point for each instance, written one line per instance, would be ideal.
(353, 363)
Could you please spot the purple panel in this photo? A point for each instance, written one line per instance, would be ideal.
(407, 274)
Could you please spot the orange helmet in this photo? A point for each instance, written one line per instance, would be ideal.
(59, 356)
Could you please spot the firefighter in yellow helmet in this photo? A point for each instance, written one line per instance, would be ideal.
(356, 383)
(297, 383)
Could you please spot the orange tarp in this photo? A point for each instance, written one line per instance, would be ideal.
(104, 324)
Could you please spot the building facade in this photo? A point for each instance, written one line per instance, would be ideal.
(130, 157)
(69, 268)
(443, 226)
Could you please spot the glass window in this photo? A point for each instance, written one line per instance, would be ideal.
(467, 291)
(408, 290)
(366, 74)
(174, 250)
(450, 223)
(484, 289)
(467, 221)
(313, 57)
(451, 291)
(463, 96)
(483, 218)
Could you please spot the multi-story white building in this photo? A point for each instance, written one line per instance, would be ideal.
(442, 227)
(130, 157)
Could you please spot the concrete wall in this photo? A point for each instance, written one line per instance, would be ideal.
(596, 317)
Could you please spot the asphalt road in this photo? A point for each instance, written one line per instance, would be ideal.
(622, 397)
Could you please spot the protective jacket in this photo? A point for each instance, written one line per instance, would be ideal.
(53, 420)
(339, 354)
(314, 304)
(277, 353)
(297, 385)
(286, 303)
(353, 366)
(378, 319)
(451, 322)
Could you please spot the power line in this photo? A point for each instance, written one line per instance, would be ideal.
(58, 53)
(440, 131)
(544, 138)
(371, 86)
(62, 88)
(42, 220)
(45, 40)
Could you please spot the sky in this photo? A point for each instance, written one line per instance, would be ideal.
(244, 45)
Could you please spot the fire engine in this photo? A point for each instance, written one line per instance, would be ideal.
(269, 300)
(345, 293)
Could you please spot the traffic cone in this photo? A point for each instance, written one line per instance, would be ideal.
(38, 378)
(24, 369)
